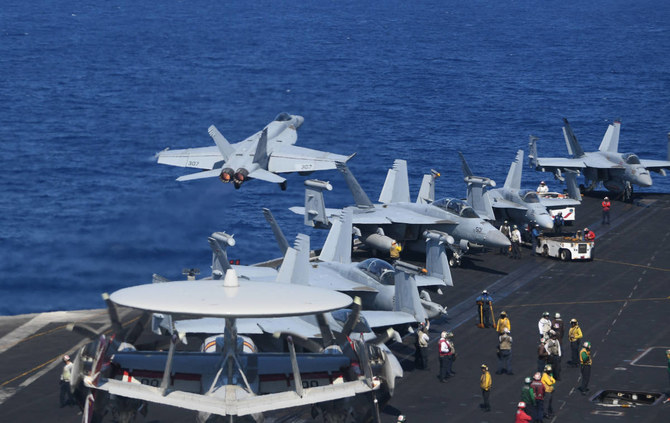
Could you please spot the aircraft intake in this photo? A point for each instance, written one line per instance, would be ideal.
(226, 175)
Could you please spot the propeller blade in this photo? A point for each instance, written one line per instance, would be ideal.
(77, 372)
(353, 317)
(387, 373)
(134, 333)
(364, 361)
(326, 333)
(382, 338)
(83, 330)
(300, 340)
(117, 327)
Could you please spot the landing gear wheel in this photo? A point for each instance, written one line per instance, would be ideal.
(565, 255)
(454, 262)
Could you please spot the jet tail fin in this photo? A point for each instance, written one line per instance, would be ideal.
(219, 242)
(295, 267)
(407, 296)
(437, 264)
(571, 142)
(360, 197)
(477, 195)
(396, 186)
(226, 149)
(427, 190)
(279, 235)
(513, 180)
(315, 207)
(610, 142)
(337, 247)
(571, 182)
(532, 151)
(261, 155)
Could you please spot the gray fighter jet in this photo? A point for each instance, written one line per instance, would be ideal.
(261, 156)
(511, 202)
(396, 219)
(618, 172)
(373, 280)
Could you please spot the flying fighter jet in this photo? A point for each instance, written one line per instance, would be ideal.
(396, 219)
(232, 383)
(511, 202)
(618, 172)
(261, 156)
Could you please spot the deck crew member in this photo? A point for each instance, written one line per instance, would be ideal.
(558, 326)
(534, 233)
(503, 323)
(446, 355)
(559, 221)
(505, 230)
(585, 366)
(527, 394)
(66, 397)
(542, 188)
(515, 238)
(542, 355)
(421, 353)
(538, 390)
(485, 382)
(505, 353)
(589, 235)
(606, 210)
(554, 349)
(395, 250)
(575, 338)
(521, 415)
(548, 381)
(544, 325)
(485, 310)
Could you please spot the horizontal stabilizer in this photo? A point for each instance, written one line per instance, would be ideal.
(214, 173)
(266, 176)
(237, 401)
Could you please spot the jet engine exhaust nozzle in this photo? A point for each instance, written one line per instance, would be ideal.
(226, 175)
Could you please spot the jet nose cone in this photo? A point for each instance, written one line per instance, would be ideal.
(495, 239)
(298, 121)
(644, 180)
(545, 221)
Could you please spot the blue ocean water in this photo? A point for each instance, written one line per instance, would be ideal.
(91, 91)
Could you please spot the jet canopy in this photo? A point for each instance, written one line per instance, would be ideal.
(379, 269)
(457, 207)
(529, 196)
(631, 158)
(283, 117)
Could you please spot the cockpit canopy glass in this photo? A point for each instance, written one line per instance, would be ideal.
(457, 207)
(530, 197)
(381, 270)
(631, 158)
(283, 117)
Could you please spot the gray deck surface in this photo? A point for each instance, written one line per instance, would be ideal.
(621, 299)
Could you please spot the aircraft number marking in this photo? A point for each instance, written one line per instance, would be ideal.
(150, 381)
(305, 166)
(192, 163)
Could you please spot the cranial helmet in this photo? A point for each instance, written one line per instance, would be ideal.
(526, 380)
(547, 368)
(573, 321)
(587, 345)
(545, 314)
(485, 367)
(557, 315)
(521, 404)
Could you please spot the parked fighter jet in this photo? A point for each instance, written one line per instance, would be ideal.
(261, 156)
(511, 202)
(373, 280)
(618, 172)
(231, 383)
(398, 220)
